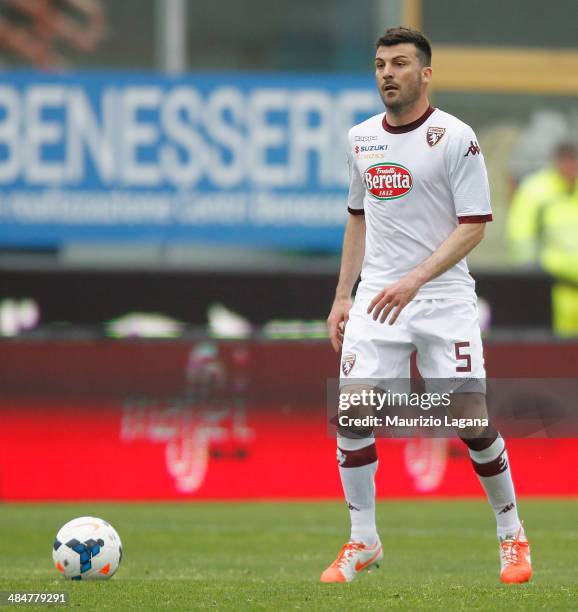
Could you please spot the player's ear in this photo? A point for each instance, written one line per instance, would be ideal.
(426, 75)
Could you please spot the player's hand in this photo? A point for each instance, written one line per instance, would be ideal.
(336, 321)
(392, 300)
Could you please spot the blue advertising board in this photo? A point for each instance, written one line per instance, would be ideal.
(240, 159)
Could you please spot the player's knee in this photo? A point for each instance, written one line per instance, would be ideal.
(471, 409)
(356, 407)
(353, 431)
(479, 438)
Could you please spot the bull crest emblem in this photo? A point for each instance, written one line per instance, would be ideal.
(347, 363)
(434, 135)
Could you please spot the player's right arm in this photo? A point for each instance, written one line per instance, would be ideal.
(351, 262)
(351, 257)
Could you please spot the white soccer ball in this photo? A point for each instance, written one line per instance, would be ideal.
(87, 548)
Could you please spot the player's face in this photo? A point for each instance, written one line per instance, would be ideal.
(400, 77)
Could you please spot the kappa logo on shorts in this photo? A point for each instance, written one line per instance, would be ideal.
(434, 135)
(347, 363)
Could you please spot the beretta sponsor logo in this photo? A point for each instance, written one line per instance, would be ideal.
(388, 181)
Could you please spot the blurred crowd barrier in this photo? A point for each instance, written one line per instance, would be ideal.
(244, 142)
(234, 159)
(221, 159)
(144, 420)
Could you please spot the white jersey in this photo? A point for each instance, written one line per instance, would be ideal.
(415, 184)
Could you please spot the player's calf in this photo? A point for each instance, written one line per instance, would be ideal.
(490, 462)
(357, 461)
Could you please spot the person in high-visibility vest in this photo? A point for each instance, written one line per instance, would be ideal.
(543, 231)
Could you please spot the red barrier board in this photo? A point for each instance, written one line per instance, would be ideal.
(91, 452)
(136, 420)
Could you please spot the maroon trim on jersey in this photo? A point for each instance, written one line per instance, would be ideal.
(402, 129)
(355, 211)
(474, 219)
(357, 458)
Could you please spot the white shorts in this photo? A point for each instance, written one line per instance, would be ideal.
(445, 334)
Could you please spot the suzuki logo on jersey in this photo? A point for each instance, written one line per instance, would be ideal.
(388, 181)
(365, 148)
(369, 151)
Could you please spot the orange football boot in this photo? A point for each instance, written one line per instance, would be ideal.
(353, 558)
(516, 564)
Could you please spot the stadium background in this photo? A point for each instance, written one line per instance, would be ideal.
(172, 202)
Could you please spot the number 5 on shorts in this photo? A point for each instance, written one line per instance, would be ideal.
(462, 356)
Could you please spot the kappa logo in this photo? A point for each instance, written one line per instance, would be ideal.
(351, 506)
(507, 508)
(365, 138)
(388, 181)
(434, 135)
(347, 363)
(474, 149)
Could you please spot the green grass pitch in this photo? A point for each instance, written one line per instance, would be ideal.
(439, 555)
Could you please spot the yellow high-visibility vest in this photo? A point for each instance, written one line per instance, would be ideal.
(558, 239)
(557, 227)
(524, 226)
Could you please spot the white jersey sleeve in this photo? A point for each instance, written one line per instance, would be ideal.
(356, 186)
(468, 177)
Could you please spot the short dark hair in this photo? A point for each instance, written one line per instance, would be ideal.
(400, 35)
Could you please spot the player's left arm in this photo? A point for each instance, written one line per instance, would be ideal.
(469, 185)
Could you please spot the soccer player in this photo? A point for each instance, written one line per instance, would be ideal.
(418, 204)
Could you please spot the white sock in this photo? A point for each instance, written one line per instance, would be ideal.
(493, 469)
(357, 460)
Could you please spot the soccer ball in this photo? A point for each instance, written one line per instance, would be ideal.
(87, 548)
